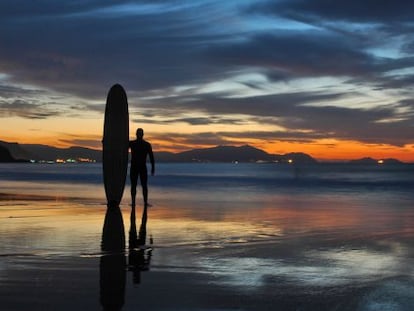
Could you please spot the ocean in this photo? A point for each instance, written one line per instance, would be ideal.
(327, 236)
(256, 182)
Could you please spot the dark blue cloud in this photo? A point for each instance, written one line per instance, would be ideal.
(374, 125)
(367, 11)
(28, 110)
(299, 54)
(84, 49)
(81, 48)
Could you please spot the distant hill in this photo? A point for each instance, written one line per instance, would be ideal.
(224, 154)
(368, 160)
(244, 153)
(296, 157)
(47, 153)
(16, 151)
(44, 152)
(5, 155)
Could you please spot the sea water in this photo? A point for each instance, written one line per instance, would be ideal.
(254, 181)
(328, 236)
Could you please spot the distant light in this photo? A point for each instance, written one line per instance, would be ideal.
(380, 161)
(290, 161)
(85, 160)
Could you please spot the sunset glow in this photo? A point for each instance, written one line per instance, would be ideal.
(283, 76)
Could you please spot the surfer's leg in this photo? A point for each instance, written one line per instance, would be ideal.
(134, 179)
(144, 185)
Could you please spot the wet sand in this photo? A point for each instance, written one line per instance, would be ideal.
(301, 253)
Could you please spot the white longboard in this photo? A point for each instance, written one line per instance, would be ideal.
(115, 144)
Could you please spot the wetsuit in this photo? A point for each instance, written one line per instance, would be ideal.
(140, 149)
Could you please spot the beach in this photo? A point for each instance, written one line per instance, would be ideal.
(217, 238)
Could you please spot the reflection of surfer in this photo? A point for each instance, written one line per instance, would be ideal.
(140, 149)
(139, 256)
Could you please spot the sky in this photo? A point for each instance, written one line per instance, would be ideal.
(333, 79)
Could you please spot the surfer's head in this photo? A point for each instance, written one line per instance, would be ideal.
(140, 133)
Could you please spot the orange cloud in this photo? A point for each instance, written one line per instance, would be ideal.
(330, 149)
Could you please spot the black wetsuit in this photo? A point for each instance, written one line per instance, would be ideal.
(140, 149)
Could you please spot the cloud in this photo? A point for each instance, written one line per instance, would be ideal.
(188, 56)
(201, 120)
(397, 81)
(85, 50)
(369, 11)
(326, 55)
(95, 143)
(183, 141)
(23, 109)
(36, 103)
(303, 119)
(9, 91)
(272, 136)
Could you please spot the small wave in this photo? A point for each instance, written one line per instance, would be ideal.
(18, 255)
(393, 295)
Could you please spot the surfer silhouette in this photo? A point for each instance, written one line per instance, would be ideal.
(140, 150)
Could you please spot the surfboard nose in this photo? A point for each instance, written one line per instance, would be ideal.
(117, 91)
(117, 86)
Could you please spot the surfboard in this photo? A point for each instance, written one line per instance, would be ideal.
(115, 144)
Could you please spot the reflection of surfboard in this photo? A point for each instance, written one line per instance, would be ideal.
(115, 144)
(113, 262)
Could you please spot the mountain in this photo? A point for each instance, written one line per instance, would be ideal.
(48, 153)
(296, 157)
(374, 161)
(224, 154)
(392, 161)
(244, 153)
(5, 155)
(16, 151)
(25, 152)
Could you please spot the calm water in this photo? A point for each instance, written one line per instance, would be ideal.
(247, 181)
(225, 237)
